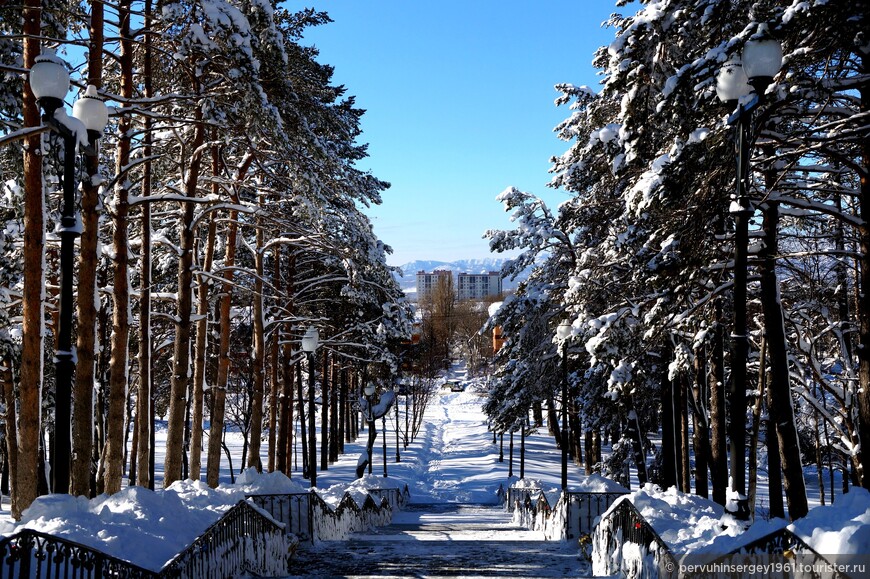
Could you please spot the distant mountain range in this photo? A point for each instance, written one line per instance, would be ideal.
(408, 281)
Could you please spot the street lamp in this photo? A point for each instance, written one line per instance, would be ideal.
(563, 332)
(737, 80)
(369, 391)
(49, 82)
(309, 345)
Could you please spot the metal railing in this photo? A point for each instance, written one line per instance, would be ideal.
(32, 554)
(519, 495)
(585, 508)
(781, 546)
(243, 540)
(395, 498)
(293, 510)
(649, 556)
(310, 518)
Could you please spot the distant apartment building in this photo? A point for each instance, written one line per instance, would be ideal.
(428, 281)
(476, 286)
(469, 286)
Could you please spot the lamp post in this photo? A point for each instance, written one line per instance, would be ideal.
(563, 332)
(309, 345)
(49, 81)
(736, 81)
(369, 391)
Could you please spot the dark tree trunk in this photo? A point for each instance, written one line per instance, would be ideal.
(718, 427)
(669, 426)
(782, 412)
(701, 432)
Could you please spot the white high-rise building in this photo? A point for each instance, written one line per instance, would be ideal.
(476, 286)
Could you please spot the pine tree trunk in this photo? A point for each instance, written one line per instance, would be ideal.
(144, 423)
(121, 291)
(700, 440)
(325, 385)
(344, 411)
(685, 467)
(718, 428)
(669, 427)
(201, 346)
(30, 377)
(774, 469)
(259, 353)
(783, 411)
(219, 389)
(11, 434)
(181, 346)
(86, 309)
(334, 411)
(553, 422)
(274, 368)
(756, 425)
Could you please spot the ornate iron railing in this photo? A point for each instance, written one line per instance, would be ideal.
(244, 539)
(32, 554)
(519, 495)
(294, 510)
(311, 518)
(584, 509)
(781, 553)
(395, 498)
(625, 543)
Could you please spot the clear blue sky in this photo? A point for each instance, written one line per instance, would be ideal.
(459, 99)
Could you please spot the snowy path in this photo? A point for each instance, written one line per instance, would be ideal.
(458, 540)
(453, 526)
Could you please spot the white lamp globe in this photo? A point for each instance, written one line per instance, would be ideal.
(369, 389)
(762, 59)
(310, 339)
(563, 331)
(731, 81)
(91, 111)
(49, 80)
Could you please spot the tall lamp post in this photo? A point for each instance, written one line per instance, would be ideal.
(50, 83)
(735, 84)
(309, 345)
(369, 392)
(563, 332)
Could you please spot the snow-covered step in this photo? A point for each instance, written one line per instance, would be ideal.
(459, 540)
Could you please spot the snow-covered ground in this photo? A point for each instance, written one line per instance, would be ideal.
(452, 461)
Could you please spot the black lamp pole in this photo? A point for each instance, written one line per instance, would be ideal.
(64, 358)
(312, 437)
(740, 340)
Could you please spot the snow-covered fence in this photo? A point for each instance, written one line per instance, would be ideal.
(36, 555)
(242, 540)
(310, 518)
(348, 517)
(624, 543)
(294, 510)
(781, 542)
(395, 498)
(519, 494)
(584, 508)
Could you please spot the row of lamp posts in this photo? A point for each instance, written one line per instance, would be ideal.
(50, 83)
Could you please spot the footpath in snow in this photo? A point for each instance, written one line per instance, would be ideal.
(454, 524)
